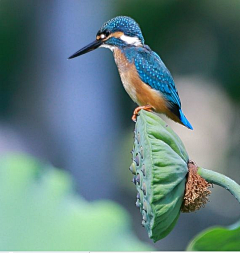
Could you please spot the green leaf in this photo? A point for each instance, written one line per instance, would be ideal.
(217, 239)
(39, 211)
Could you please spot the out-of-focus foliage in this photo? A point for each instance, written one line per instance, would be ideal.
(217, 239)
(40, 211)
(16, 22)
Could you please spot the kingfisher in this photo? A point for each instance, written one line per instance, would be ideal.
(143, 74)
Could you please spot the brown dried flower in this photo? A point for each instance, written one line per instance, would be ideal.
(196, 190)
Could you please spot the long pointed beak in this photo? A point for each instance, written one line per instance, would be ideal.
(94, 45)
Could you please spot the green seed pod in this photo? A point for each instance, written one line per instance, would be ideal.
(161, 167)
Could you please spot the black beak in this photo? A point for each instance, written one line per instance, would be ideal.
(94, 45)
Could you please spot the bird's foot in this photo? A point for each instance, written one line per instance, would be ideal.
(148, 108)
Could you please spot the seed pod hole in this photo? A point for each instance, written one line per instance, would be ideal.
(143, 170)
(134, 180)
(136, 159)
(144, 215)
(141, 152)
(144, 189)
(138, 195)
(138, 203)
(138, 178)
(145, 206)
(138, 138)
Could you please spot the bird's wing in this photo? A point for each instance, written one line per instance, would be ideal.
(153, 72)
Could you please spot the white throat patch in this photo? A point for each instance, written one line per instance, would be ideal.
(108, 46)
(131, 40)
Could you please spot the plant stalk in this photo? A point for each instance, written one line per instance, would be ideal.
(221, 180)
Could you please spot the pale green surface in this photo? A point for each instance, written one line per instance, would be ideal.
(40, 211)
(165, 160)
(217, 239)
(160, 130)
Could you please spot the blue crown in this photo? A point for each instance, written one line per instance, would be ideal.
(124, 24)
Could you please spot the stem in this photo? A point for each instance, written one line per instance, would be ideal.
(221, 180)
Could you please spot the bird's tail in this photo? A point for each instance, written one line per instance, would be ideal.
(184, 120)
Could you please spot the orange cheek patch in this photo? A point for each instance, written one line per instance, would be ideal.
(116, 34)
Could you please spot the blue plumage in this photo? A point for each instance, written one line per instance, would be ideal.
(144, 75)
(184, 120)
(124, 24)
(153, 72)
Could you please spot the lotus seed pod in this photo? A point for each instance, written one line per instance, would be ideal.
(161, 168)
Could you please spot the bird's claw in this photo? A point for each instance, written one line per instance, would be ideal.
(148, 108)
(134, 117)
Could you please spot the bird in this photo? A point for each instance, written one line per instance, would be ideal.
(143, 74)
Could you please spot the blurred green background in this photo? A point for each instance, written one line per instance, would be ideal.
(40, 211)
(76, 115)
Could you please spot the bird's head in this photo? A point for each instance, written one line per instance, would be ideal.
(118, 32)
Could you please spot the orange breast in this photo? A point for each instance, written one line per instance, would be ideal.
(140, 92)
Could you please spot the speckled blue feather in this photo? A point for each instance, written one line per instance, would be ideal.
(124, 24)
(153, 72)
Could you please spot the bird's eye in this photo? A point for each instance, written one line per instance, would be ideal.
(102, 36)
(107, 33)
